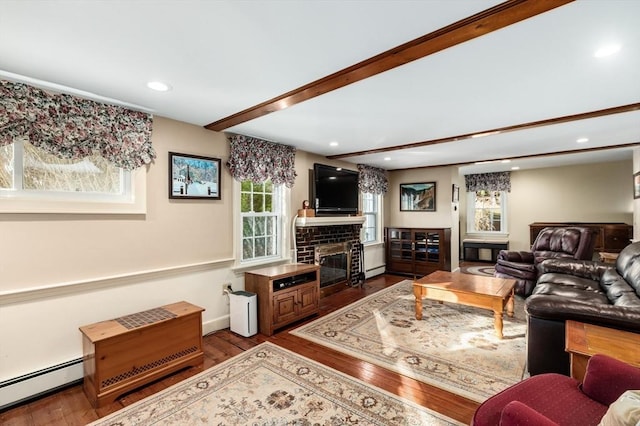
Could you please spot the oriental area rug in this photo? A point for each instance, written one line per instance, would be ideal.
(269, 385)
(453, 347)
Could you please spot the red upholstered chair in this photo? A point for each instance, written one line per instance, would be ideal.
(554, 399)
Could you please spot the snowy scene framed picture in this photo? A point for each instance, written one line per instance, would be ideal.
(194, 176)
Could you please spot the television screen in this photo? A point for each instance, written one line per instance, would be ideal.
(335, 190)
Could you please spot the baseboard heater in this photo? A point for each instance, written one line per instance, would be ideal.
(27, 387)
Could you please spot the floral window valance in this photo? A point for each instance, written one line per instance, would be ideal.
(500, 181)
(74, 128)
(372, 180)
(258, 160)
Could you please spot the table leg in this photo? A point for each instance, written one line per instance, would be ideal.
(510, 305)
(497, 316)
(417, 292)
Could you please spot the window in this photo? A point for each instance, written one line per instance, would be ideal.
(37, 181)
(487, 212)
(260, 211)
(370, 209)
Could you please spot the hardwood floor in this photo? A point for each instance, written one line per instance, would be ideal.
(71, 407)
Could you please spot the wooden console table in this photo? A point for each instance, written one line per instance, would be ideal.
(127, 352)
(585, 340)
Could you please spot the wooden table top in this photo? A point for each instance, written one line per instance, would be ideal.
(467, 283)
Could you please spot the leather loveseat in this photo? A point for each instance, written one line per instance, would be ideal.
(571, 242)
(580, 290)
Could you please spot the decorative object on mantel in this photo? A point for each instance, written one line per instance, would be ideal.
(305, 211)
(270, 385)
(418, 197)
(258, 160)
(372, 180)
(194, 176)
(74, 128)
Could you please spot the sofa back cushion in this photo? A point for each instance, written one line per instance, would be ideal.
(607, 378)
(575, 242)
(618, 290)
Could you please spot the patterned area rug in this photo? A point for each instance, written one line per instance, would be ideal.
(485, 271)
(269, 385)
(453, 347)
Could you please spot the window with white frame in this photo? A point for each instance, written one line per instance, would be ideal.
(487, 212)
(261, 218)
(371, 211)
(28, 172)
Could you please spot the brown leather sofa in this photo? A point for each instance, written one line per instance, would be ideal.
(568, 242)
(592, 292)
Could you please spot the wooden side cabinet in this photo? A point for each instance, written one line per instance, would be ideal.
(286, 293)
(127, 352)
(417, 251)
(585, 340)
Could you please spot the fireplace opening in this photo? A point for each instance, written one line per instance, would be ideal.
(335, 263)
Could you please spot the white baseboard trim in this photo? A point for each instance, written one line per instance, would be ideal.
(29, 386)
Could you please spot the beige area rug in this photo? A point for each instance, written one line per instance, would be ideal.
(269, 385)
(453, 347)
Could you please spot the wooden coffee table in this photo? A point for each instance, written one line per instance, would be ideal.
(465, 289)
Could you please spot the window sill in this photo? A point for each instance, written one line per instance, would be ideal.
(242, 268)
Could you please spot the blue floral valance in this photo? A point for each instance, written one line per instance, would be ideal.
(74, 128)
(258, 160)
(372, 180)
(500, 181)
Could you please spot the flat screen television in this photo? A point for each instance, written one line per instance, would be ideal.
(334, 191)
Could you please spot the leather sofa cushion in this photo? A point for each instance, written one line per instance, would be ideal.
(571, 293)
(516, 266)
(618, 290)
(561, 282)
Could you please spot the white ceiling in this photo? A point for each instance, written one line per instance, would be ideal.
(221, 57)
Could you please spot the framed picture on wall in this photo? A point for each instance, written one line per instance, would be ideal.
(418, 197)
(194, 177)
(636, 185)
(455, 193)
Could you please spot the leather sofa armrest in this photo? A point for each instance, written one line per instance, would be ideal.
(579, 268)
(516, 413)
(558, 308)
(516, 256)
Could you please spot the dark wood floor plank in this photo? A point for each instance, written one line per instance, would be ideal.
(70, 407)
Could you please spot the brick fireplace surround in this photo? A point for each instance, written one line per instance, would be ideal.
(308, 237)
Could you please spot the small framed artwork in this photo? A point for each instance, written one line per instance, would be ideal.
(455, 193)
(419, 197)
(636, 185)
(194, 177)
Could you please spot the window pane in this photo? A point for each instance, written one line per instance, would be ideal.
(6, 166)
(245, 186)
(271, 248)
(268, 186)
(46, 172)
(245, 202)
(247, 227)
(260, 247)
(258, 203)
(268, 205)
(247, 248)
(258, 187)
(260, 226)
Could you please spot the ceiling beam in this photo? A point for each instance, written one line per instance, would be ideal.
(520, 157)
(499, 130)
(495, 18)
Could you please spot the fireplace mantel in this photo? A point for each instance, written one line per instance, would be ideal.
(302, 222)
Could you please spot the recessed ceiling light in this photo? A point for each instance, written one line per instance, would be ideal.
(482, 135)
(334, 143)
(158, 86)
(607, 50)
(505, 161)
(582, 140)
(387, 158)
(515, 168)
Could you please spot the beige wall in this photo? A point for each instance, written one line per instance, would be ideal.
(581, 193)
(45, 249)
